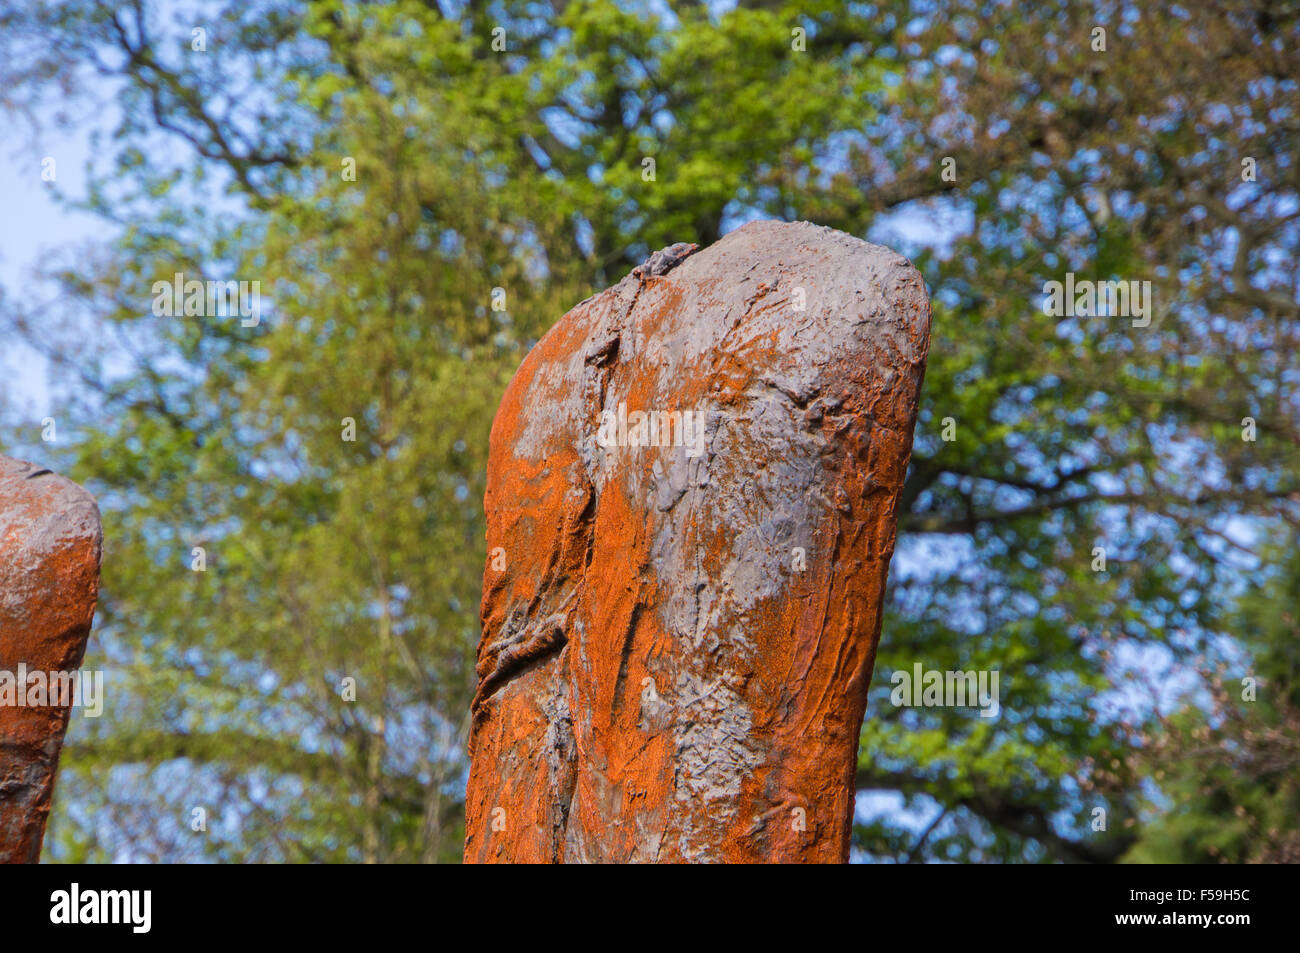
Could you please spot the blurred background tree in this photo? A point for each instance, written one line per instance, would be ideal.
(422, 188)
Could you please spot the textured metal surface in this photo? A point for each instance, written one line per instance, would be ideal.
(675, 656)
(49, 581)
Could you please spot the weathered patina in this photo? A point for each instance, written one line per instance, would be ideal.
(49, 582)
(679, 626)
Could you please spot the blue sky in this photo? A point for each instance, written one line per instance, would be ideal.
(33, 226)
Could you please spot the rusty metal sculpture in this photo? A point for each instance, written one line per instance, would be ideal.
(49, 582)
(692, 491)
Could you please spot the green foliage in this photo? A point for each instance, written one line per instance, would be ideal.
(1228, 772)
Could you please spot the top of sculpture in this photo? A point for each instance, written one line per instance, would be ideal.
(664, 260)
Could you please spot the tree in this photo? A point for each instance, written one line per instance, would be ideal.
(1228, 771)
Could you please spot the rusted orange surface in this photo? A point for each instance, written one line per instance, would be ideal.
(677, 639)
(49, 582)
